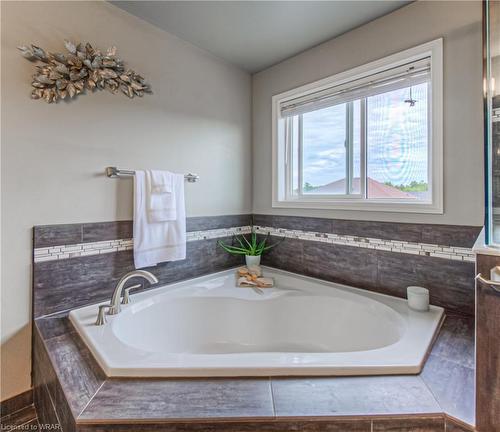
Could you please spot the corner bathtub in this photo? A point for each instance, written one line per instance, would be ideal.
(208, 327)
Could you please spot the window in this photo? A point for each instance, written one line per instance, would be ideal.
(369, 138)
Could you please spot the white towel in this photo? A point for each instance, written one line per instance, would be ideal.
(160, 241)
(161, 181)
(160, 197)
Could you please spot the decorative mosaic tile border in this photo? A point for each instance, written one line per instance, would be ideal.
(425, 249)
(495, 115)
(218, 233)
(96, 248)
(438, 251)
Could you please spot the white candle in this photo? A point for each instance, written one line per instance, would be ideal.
(418, 298)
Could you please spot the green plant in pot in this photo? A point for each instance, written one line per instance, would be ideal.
(252, 248)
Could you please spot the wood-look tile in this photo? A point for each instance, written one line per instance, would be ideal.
(328, 395)
(485, 263)
(102, 231)
(47, 377)
(287, 255)
(382, 396)
(217, 222)
(181, 399)
(422, 424)
(496, 102)
(70, 283)
(352, 396)
(55, 235)
(46, 414)
(344, 264)
(455, 426)
(54, 325)
(18, 418)
(65, 416)
(31, 426)
(81, 375)
(203, 257)
(263, 220)
(43, 372)
(386, 272)
(361, 425)
(66, 284)
(16, 403)
(488, 352)
(67, 234)
(452, 385)
(455, 341)
(380, 230)
(450, 235)
(322, 225)
(397, 271)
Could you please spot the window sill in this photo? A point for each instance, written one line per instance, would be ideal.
(361, 206)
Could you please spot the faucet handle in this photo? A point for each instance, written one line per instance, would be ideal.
(101, 317)
(126, 293)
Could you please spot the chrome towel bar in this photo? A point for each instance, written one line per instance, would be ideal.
(494, 284)
(114, 172)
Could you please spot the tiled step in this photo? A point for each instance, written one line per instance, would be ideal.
(24, 419)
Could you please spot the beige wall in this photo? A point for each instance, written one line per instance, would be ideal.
(459, 23)
(53, 156)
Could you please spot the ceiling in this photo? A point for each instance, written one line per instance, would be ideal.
(257, 34)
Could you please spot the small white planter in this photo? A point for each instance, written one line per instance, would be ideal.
(252, 260)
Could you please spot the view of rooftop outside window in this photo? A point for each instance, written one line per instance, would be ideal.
(324, 150)
(397, 144)
(396, 148)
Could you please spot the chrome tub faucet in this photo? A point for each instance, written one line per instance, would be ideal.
(114, 307)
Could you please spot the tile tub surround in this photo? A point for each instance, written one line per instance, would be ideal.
(25, 419)
(61, 252)
(379, 256)
(446, 235)
(95, 256)
(71, 388)
(45, 236)
(450, 282)
(72, 263)
(488, 348)
(53, 242)
(16, 403)
(18, 413)
(398, 246)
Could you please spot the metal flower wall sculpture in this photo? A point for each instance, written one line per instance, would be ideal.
(61, 76)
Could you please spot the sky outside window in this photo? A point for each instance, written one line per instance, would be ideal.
(324, 152)
(397, 146)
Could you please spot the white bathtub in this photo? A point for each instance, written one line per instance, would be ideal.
(208, 327)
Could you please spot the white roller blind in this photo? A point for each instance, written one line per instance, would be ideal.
(402, 76)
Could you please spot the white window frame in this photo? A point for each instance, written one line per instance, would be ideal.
(280, 196)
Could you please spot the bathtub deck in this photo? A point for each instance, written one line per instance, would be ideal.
(67, 377)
